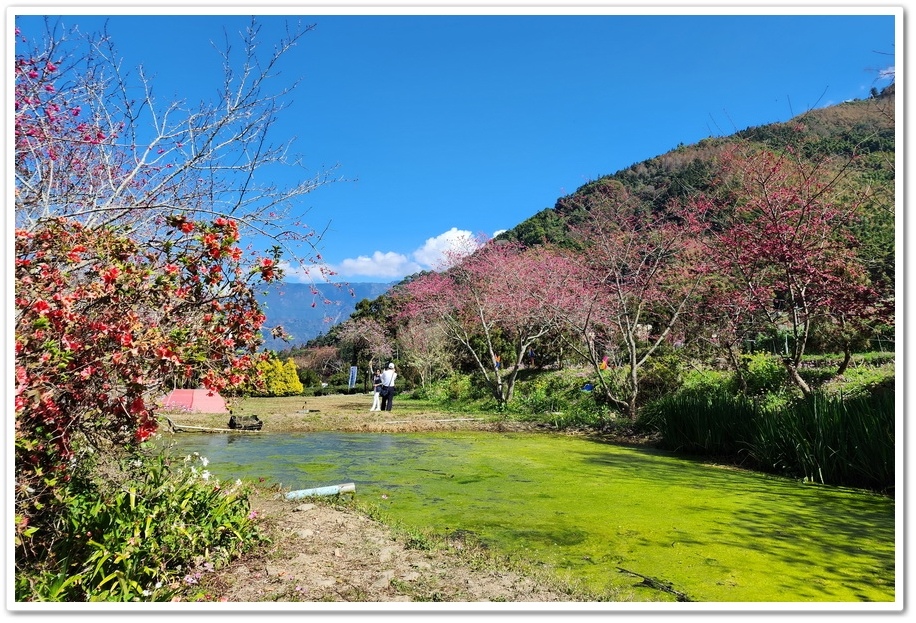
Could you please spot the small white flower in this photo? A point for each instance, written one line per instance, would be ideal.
(204, 461)
(205, 475)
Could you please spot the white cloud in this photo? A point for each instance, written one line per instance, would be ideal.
(303, 274)
(433, 252)
(389, 264)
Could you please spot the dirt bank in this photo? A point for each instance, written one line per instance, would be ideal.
(322, 553)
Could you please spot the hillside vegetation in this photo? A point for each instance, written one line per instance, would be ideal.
(860, 131)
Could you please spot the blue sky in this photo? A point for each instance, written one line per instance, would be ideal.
(457, 125)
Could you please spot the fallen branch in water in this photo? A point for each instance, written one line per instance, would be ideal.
(178, 428)
(660, 585)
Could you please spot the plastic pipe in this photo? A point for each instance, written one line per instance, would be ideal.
(347, 487)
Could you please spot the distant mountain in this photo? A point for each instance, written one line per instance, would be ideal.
(307, 311)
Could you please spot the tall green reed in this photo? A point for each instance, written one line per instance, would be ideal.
(830, 440)
(822, 438)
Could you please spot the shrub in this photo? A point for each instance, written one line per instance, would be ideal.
(458, 387)
(140, 532)
(762, 373)
(103, 320)
(661, 375)
(308, 377)
(278, 378)
(862, 381)
(700, 380)
(546, 393)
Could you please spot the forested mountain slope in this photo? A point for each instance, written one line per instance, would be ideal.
(861, 133)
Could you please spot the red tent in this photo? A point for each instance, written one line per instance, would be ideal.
(195, 401)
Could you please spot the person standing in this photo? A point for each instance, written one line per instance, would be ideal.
(376, 386)
(387, 387)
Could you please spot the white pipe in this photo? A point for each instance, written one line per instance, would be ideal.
(347, 487)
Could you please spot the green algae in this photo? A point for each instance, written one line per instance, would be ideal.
(589, 510)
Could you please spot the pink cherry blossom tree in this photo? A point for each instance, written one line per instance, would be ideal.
(494, 294)
(423, 348)
(780, 237)
(639, 273)
(369, 340)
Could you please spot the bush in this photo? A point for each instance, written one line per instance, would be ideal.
(661, 375)
(279, 378)
(143, 532)
(458, 387)
(328, 390)
(705, 379)
(586, 414)
(308, 377)
(762, 373)
(546, 393)
(863, 381)
(101, 318)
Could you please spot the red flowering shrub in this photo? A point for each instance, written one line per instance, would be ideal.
(105, 325)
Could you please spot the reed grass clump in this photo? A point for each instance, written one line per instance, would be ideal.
(823, 438)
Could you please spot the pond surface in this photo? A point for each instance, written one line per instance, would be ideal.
(588, 509)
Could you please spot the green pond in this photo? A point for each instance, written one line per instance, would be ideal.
(588, 509)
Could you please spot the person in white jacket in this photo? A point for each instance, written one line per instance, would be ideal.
(376, 386)
(387, 387)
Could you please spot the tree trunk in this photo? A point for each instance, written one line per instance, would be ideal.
(632, 411)
(735, 360)
(796, 377)
(847, 357)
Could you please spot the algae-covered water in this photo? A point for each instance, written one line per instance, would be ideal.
(589, 509)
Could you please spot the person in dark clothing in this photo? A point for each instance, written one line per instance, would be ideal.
(386, 389)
